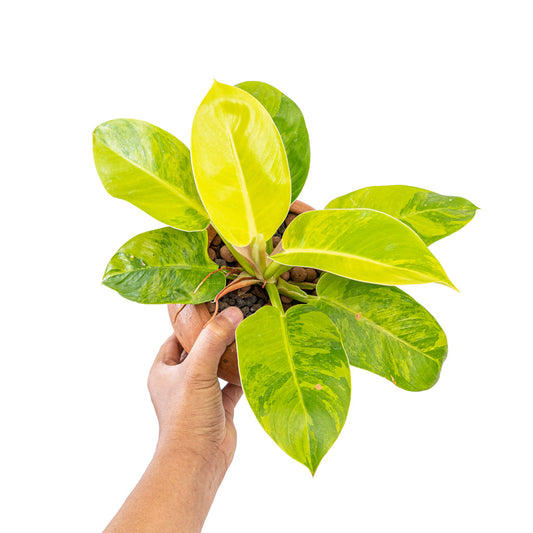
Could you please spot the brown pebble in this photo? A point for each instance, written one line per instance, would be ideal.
(217, 240)
(286, 276)
(286, 299)
(290, 218)
(258, 292)
(242, 292)
(298, 274)
(226, 254)
(211, 306)
(311, 274)
(255, 307)
(212, 253)
(275, 240)
(286, 307)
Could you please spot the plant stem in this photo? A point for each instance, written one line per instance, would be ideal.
(308, 298)
(305, 285)
(293, 291)
(273, 293)
(275, 270)
(258, 249)
(243, 261)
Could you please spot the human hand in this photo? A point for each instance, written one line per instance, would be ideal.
(197, 437)
(195, 416)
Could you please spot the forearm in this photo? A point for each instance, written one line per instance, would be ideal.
(174, 495)
(197, 437)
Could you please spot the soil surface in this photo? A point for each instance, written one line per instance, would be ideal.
(250, 299)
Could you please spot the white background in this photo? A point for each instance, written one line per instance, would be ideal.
(427, 93)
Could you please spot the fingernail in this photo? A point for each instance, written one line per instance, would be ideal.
(234, 314)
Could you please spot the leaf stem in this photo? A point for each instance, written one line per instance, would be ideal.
(275, 270)
(304, 299)
(273, 293)
(305, 285)
(242, 260)
(259, 256)
(238, 283)
(293, 291)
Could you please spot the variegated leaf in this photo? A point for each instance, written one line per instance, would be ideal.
(296, 378)
(291, 125)
(431, 215)
(164, 266)
(240, 165)
(360, 244)
(384, 331)
(151, 169)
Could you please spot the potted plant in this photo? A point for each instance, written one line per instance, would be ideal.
(328, 276)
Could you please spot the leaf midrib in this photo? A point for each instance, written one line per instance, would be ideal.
(380, 328)
(307, 251)
(166, 184)
(399, 216)
(403, 216)
(293, 372)
(252, 228)
(164, 267)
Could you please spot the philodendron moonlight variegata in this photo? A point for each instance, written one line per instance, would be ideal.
(249, 160)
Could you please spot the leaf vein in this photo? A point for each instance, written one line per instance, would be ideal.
(384, 331)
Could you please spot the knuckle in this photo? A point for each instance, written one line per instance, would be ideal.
(215, 333)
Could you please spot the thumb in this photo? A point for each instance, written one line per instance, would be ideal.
(205, 355)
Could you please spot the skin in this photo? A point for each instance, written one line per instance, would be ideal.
(197, 437)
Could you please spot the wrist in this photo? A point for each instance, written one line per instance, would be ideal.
(200, 463)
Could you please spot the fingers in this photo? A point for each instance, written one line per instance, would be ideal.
(212, 342)
(231, 394)
(171, 352)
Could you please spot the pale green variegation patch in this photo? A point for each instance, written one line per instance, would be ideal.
(151, 169)
(431, 215)
(296, 378)
(360, 244)
(384, 330)
(164, 266)
(291, 125)
(240, 165)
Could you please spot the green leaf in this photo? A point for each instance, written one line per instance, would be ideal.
(361, 244)
(240, 165)
(385, 331)
(164, 266)
(291, 125)
(151, 169)
(296, 378)
(431, 215)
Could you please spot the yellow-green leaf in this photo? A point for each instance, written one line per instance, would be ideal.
(360, 244)
(433, 216)
(296, 378)
(291, 125)
(151, 169)
(384, 331)
(164, 266)
(240, 165)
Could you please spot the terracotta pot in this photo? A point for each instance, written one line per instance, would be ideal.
(191, 319)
